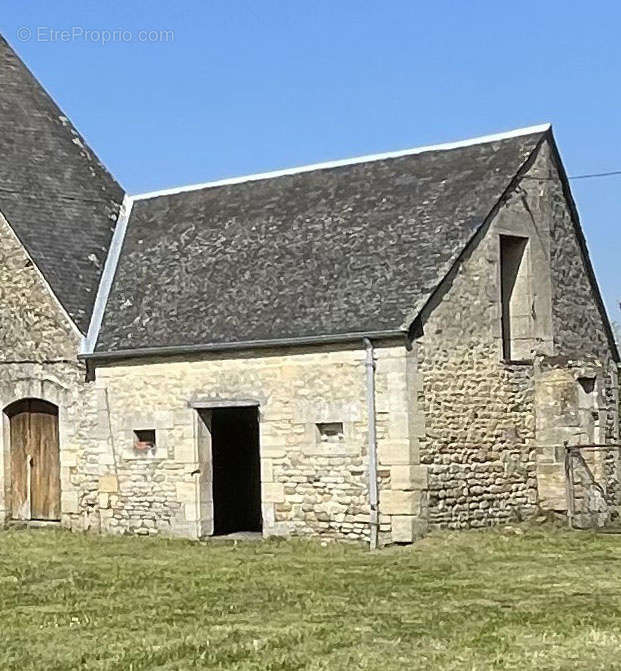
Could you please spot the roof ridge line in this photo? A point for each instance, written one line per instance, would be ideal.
(527, 130)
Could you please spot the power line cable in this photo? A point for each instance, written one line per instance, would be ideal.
(611, 173)
(597, 174)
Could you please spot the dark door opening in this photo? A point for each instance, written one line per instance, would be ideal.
(236, 470)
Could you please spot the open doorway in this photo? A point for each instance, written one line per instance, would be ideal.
(236, 469)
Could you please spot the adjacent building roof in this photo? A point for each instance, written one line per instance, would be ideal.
(352, 247)
(58, 198)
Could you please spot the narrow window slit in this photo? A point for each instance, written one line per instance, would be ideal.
(516, 299)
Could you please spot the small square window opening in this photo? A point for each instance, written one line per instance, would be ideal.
(330, 432)
(144, 440)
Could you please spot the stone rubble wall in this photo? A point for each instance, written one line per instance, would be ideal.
(462, 435)
(308, 487)
(579, 332)
(38, 348)
(481, 443)
(570, 410)
(582, 351)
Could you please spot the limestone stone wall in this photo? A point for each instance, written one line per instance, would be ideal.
(307, 486)
(579, 331)
(571, 409)
(583, 355)
(38, 359)
(480, 412)
(479, 439)
(464, 438)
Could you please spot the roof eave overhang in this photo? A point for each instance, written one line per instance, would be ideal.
(182, 350)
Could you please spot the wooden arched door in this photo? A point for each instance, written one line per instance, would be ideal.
(35, 460)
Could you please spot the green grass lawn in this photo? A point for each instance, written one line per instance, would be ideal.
(541, 599)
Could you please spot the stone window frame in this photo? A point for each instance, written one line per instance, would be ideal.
(126, 421)
(314, 446)
(592, 400)
(330, 432)
(347, 412)
(538, 259)
(145, 436)
(148, 421)
(526, 266)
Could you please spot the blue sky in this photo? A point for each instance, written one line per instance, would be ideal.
(240, 87)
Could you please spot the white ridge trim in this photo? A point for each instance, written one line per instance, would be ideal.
(541, 128)
(107, 276)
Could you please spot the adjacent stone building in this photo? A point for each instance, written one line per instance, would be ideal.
(362, 349)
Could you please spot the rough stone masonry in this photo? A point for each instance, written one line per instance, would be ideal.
(139, 319)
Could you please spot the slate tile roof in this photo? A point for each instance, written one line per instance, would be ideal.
(348, 249)
(60, 201)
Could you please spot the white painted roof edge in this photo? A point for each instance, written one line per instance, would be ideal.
(528, 130)
(107, 277)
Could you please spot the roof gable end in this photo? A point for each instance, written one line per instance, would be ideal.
(57, 197)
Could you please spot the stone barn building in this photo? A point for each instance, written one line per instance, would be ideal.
(362, 349)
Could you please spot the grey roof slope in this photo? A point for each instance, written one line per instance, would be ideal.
(60, 201)
(346, 249)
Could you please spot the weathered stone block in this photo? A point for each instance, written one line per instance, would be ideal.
(314, 411)
(192, 512)
(69, 458)
(186, 492)
(267, 470)
(409, 477)
(391, 452)
(108, 484)
(268, 514)
(185, 451)
(183, 417)
(163, 419)
(551, 487)
(407, 528)
(272, 492)
(394, 502)
(398, 425)
(69, 502)
(106, 459)
(274, 450)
